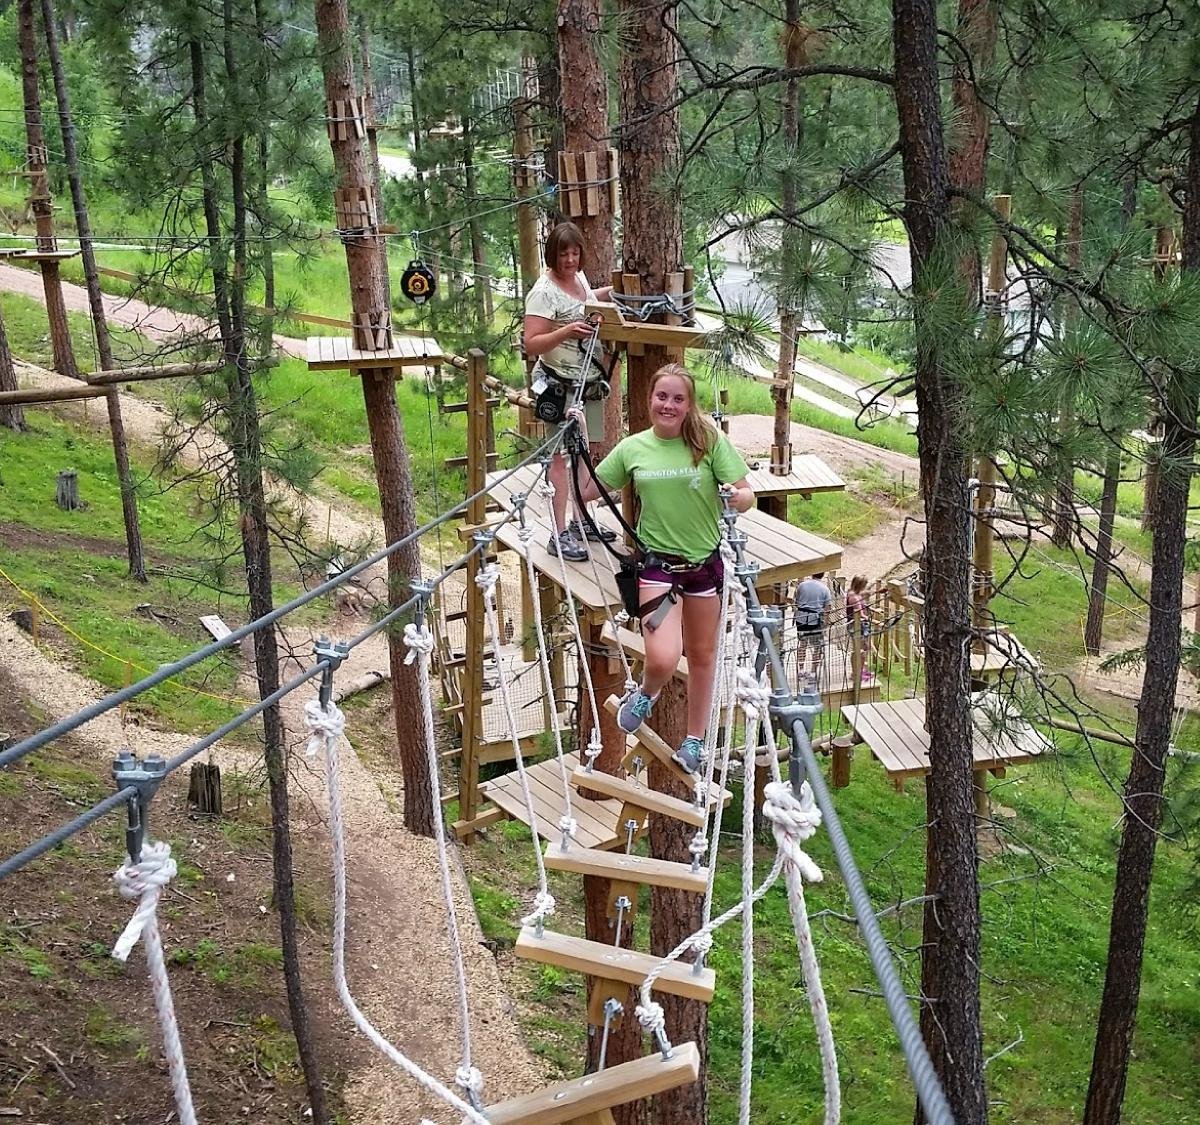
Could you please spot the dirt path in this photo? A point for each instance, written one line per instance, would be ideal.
(151, 320)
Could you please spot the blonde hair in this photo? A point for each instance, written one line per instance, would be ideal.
(697, 432)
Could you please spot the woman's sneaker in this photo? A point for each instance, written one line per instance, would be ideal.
(566, 546)
(690, 753)
(634, 710)
(580, 531)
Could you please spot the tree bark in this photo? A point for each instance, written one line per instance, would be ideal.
(1063, 525)
(112, 400)
(653, 248)
(585, 129)
(950, 1018)
(370, 302)
(791, 242)
(11, 417)
(1093, 633)
(1143, 797)
(245, 442)
(39, 187)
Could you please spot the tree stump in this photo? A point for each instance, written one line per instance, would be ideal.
(204, 789)
(67, 494)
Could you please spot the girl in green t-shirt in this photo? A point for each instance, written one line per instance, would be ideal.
(679, 469)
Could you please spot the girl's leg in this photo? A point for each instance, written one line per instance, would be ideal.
(664, 645)
(701, 618)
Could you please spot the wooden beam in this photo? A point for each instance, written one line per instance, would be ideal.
(618, 1085)
(626, 868)
(164, 371)
(50, 394)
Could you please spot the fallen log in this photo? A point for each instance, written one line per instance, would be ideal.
(363, 683)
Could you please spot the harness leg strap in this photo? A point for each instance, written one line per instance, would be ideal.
(659, 608)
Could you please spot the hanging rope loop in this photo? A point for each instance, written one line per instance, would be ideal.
(143, 881)
(327, 724)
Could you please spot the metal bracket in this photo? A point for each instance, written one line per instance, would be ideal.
(145, 776)
(335, 652)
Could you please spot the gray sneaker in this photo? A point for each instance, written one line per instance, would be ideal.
(635, 709)
(690, 753)
(566, 546)
(580, 530)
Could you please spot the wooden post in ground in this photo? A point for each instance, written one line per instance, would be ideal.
(356, 213)
(477, 636)
(40, 201)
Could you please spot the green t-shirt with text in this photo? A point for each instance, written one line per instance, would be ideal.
(680, 513)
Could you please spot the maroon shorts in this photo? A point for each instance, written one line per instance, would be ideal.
(704, 581)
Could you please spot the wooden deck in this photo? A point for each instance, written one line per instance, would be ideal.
(338, 353)
(782, 552)
(896, 735)
(597, 819)
(809, 476)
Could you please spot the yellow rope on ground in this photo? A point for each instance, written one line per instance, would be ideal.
(112, 655)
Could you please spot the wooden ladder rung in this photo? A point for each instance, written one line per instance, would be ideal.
(626, 868)
(593, 1093)
(655, 745)
(610, 962)
(644, 798)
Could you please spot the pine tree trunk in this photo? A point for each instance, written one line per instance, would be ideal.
(676, 914)
(1143, 797)
(481, 289)
(371, 302)
(1063, 527)
(791, 247)
(1093, 633)
(112, 399)
(584, 129)
(950, 1017)
(653, 248)
(39, 186)
(246, 445)
(11, 417)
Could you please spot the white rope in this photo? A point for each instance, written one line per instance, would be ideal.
(144, 881)
(543, 903)
(327, 726)
(567, 823)
(419, 641)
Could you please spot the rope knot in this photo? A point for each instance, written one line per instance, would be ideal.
(326, 723)
(487, 578)
(753, 697)
(143, 881)
(546, 489)
(470, 1078)
(419, 639)
(525, 533)
(621, 618)
(568, 825)
(543, 908)
(703, 943)
(651, 1017)
(699, 844)
(793, 820)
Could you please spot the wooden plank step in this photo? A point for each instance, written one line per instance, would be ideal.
(610, 962)
(651, 742)
(626, 868)
(593, 1093)
(643, 797)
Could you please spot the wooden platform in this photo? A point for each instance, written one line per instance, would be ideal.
(896, 735)
(783, 552)
(338, 353)
(809, 476)
(597, 819)
(43, 255)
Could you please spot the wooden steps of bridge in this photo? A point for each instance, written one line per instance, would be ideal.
(623, 868)
(594, 1093)
(611, 962)
(655, 745)
(642, 797)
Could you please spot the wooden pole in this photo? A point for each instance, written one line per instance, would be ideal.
(472, 732)
(355, 205)
(49, 394)
(525, 182)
